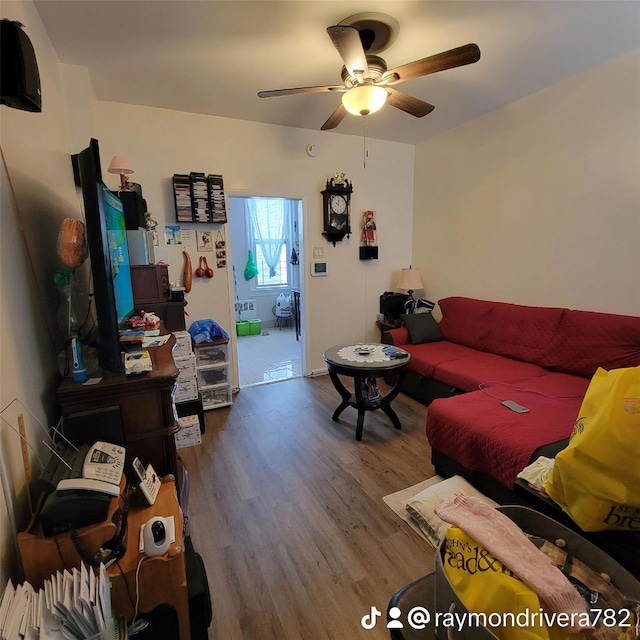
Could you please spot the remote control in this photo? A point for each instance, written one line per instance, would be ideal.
(514, 406)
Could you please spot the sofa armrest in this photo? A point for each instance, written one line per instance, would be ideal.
(396, 337)
(549, 450)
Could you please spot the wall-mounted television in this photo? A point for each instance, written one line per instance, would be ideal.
(109, 253)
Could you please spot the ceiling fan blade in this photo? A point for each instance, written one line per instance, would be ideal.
(405, 102)
(347, 41)
(289, 92)
(467, 54)
(335, 118)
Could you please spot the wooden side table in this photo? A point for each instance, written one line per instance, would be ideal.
(41, 557)
(161, 579)
(360, 369)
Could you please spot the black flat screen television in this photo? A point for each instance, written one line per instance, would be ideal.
(109, 253)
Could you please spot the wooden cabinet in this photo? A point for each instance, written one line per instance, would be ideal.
(146, 404)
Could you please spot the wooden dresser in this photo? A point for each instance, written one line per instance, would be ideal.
(146, 404)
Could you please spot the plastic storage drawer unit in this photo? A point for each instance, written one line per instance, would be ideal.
(209, 376)
(213, 374)
(215, 397)
(212, 354)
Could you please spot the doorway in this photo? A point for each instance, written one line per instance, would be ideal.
(266, 240)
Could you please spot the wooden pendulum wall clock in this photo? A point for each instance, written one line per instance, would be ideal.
(336, 208)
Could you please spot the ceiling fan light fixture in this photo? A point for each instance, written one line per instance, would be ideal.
(364, 99)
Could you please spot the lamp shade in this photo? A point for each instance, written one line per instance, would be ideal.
(119, 165)
(364, 99)
(410, 280)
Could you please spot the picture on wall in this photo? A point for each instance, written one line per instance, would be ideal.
(205, 240)
(221, 251)
(172, 234)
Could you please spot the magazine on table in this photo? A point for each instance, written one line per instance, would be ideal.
(394, 352)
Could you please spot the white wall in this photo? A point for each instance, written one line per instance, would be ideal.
(37, 192)
(538, 203)
(261, 159)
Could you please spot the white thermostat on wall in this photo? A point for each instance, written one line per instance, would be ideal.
(319, 268)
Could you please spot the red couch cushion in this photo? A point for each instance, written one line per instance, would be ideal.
(478, 432)
(587, 340)
(427, 356)
(510, 330)
(468, 372)
(552, 385)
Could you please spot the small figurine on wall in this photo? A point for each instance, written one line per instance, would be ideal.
(152, 225)
(368, 228)
(338, 177)
(369, 249)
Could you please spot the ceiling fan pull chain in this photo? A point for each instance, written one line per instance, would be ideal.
(365, 141)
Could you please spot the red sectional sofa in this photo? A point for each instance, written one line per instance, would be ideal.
(484, 352)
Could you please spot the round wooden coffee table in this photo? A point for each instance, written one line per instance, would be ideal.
(364, 368)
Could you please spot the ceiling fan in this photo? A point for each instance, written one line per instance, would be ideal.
(367, 83)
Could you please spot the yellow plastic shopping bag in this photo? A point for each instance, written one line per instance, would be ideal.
(596, 478)
(485, 586)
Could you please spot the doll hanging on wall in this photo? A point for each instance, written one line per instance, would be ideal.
(368, 228)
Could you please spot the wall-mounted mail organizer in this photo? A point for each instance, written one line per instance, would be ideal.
(199, 198)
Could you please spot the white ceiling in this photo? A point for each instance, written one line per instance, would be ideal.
(213, 56)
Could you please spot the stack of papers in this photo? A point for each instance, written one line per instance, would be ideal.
(73, 605)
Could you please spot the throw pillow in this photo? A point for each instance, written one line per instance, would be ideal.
(422, 327)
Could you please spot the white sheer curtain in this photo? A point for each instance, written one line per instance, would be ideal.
(269, 219)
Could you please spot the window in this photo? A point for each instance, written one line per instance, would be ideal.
(263, 279)
(268, 221)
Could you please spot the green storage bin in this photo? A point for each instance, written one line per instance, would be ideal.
(242, 328)
(255, 327)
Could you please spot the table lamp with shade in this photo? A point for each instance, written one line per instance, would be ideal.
(410, 281)
(119, 165)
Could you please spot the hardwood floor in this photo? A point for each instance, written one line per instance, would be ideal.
(286, 509)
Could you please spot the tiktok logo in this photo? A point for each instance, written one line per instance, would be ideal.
(417, 618)
(369, 620)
